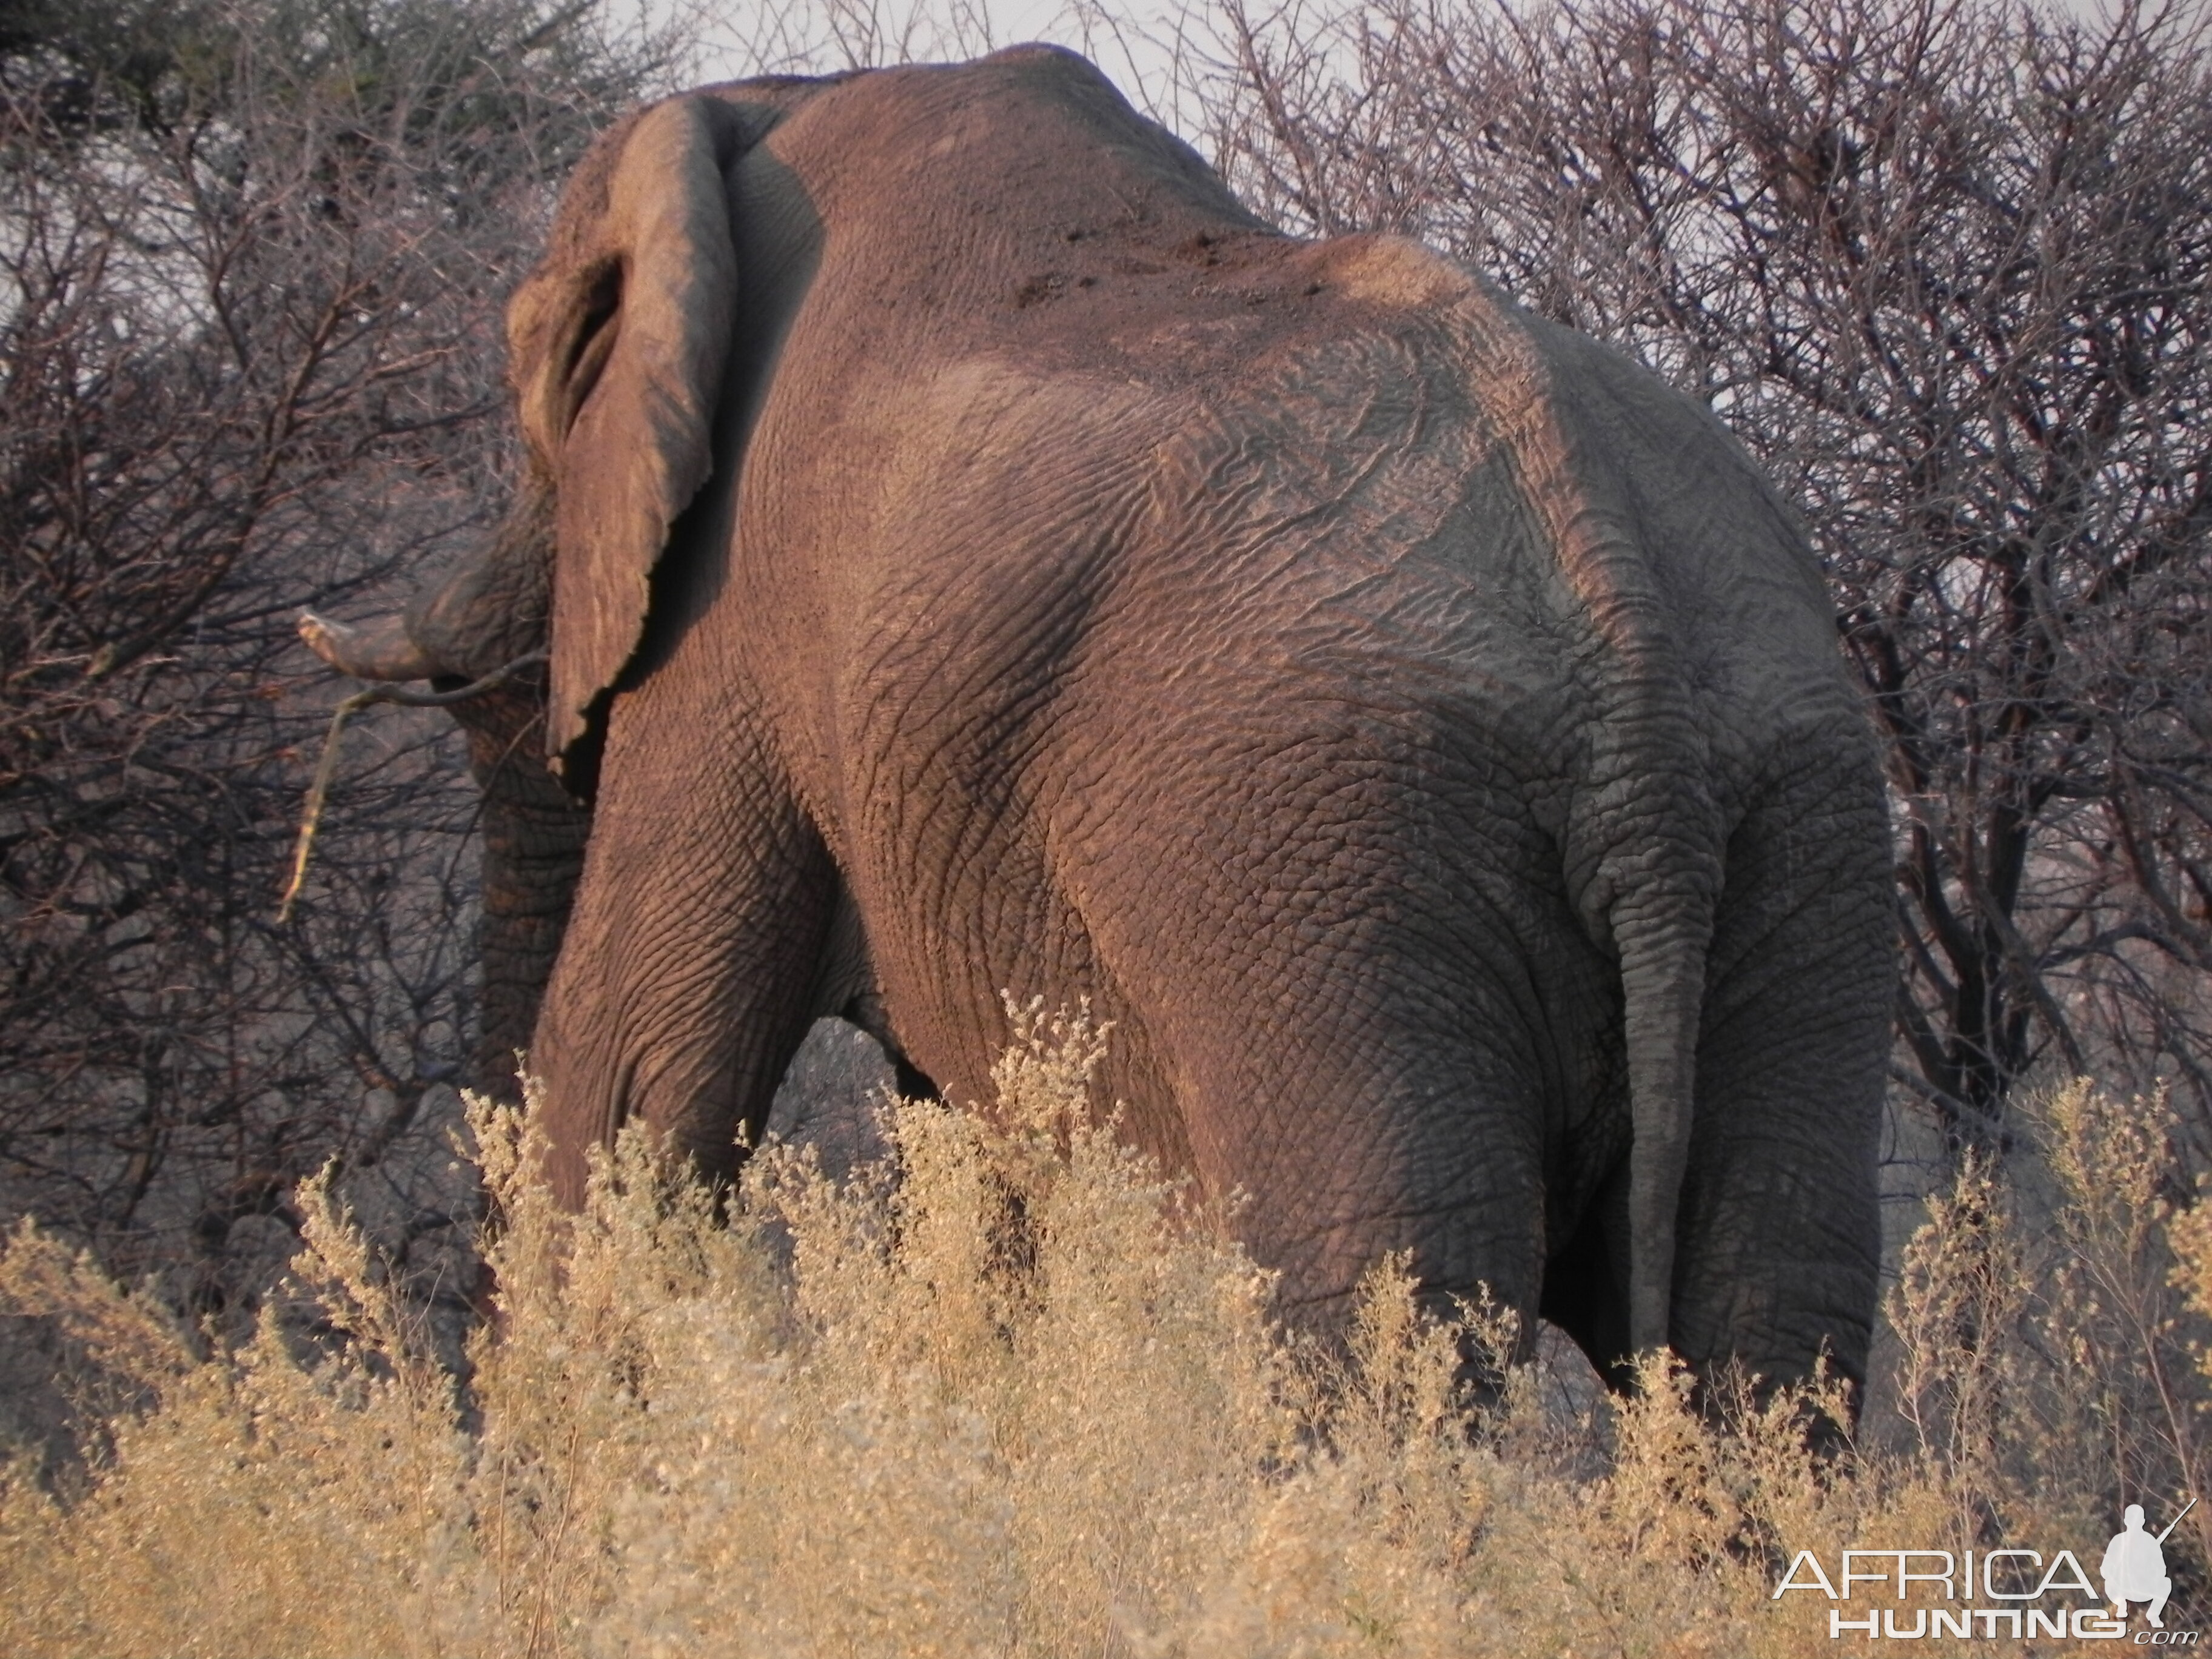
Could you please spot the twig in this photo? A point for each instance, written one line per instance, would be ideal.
(318, 792)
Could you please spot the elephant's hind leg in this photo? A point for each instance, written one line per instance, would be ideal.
(1778, 1237)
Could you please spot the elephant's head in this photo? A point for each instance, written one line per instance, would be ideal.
(639, 348)
(619, 344)
(618, 348)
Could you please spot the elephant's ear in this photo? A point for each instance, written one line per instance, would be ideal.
(618, 344)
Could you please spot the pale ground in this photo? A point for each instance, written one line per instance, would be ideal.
(829, 1096)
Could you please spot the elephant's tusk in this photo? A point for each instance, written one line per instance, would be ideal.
(373, 651)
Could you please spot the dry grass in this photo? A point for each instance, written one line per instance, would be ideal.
(1026, 1399)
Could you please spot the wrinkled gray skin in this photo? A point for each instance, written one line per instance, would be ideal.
(976, 553)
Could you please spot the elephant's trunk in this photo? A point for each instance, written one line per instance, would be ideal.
(489, 613)
(533, 852)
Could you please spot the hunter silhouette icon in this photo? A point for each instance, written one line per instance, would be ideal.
(2133, 1568)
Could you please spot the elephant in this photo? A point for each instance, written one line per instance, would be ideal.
(970, 552)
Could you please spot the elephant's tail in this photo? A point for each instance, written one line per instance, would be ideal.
(1643, 848)
(1662, 969)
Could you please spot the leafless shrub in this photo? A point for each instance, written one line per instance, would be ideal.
(252, 256)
